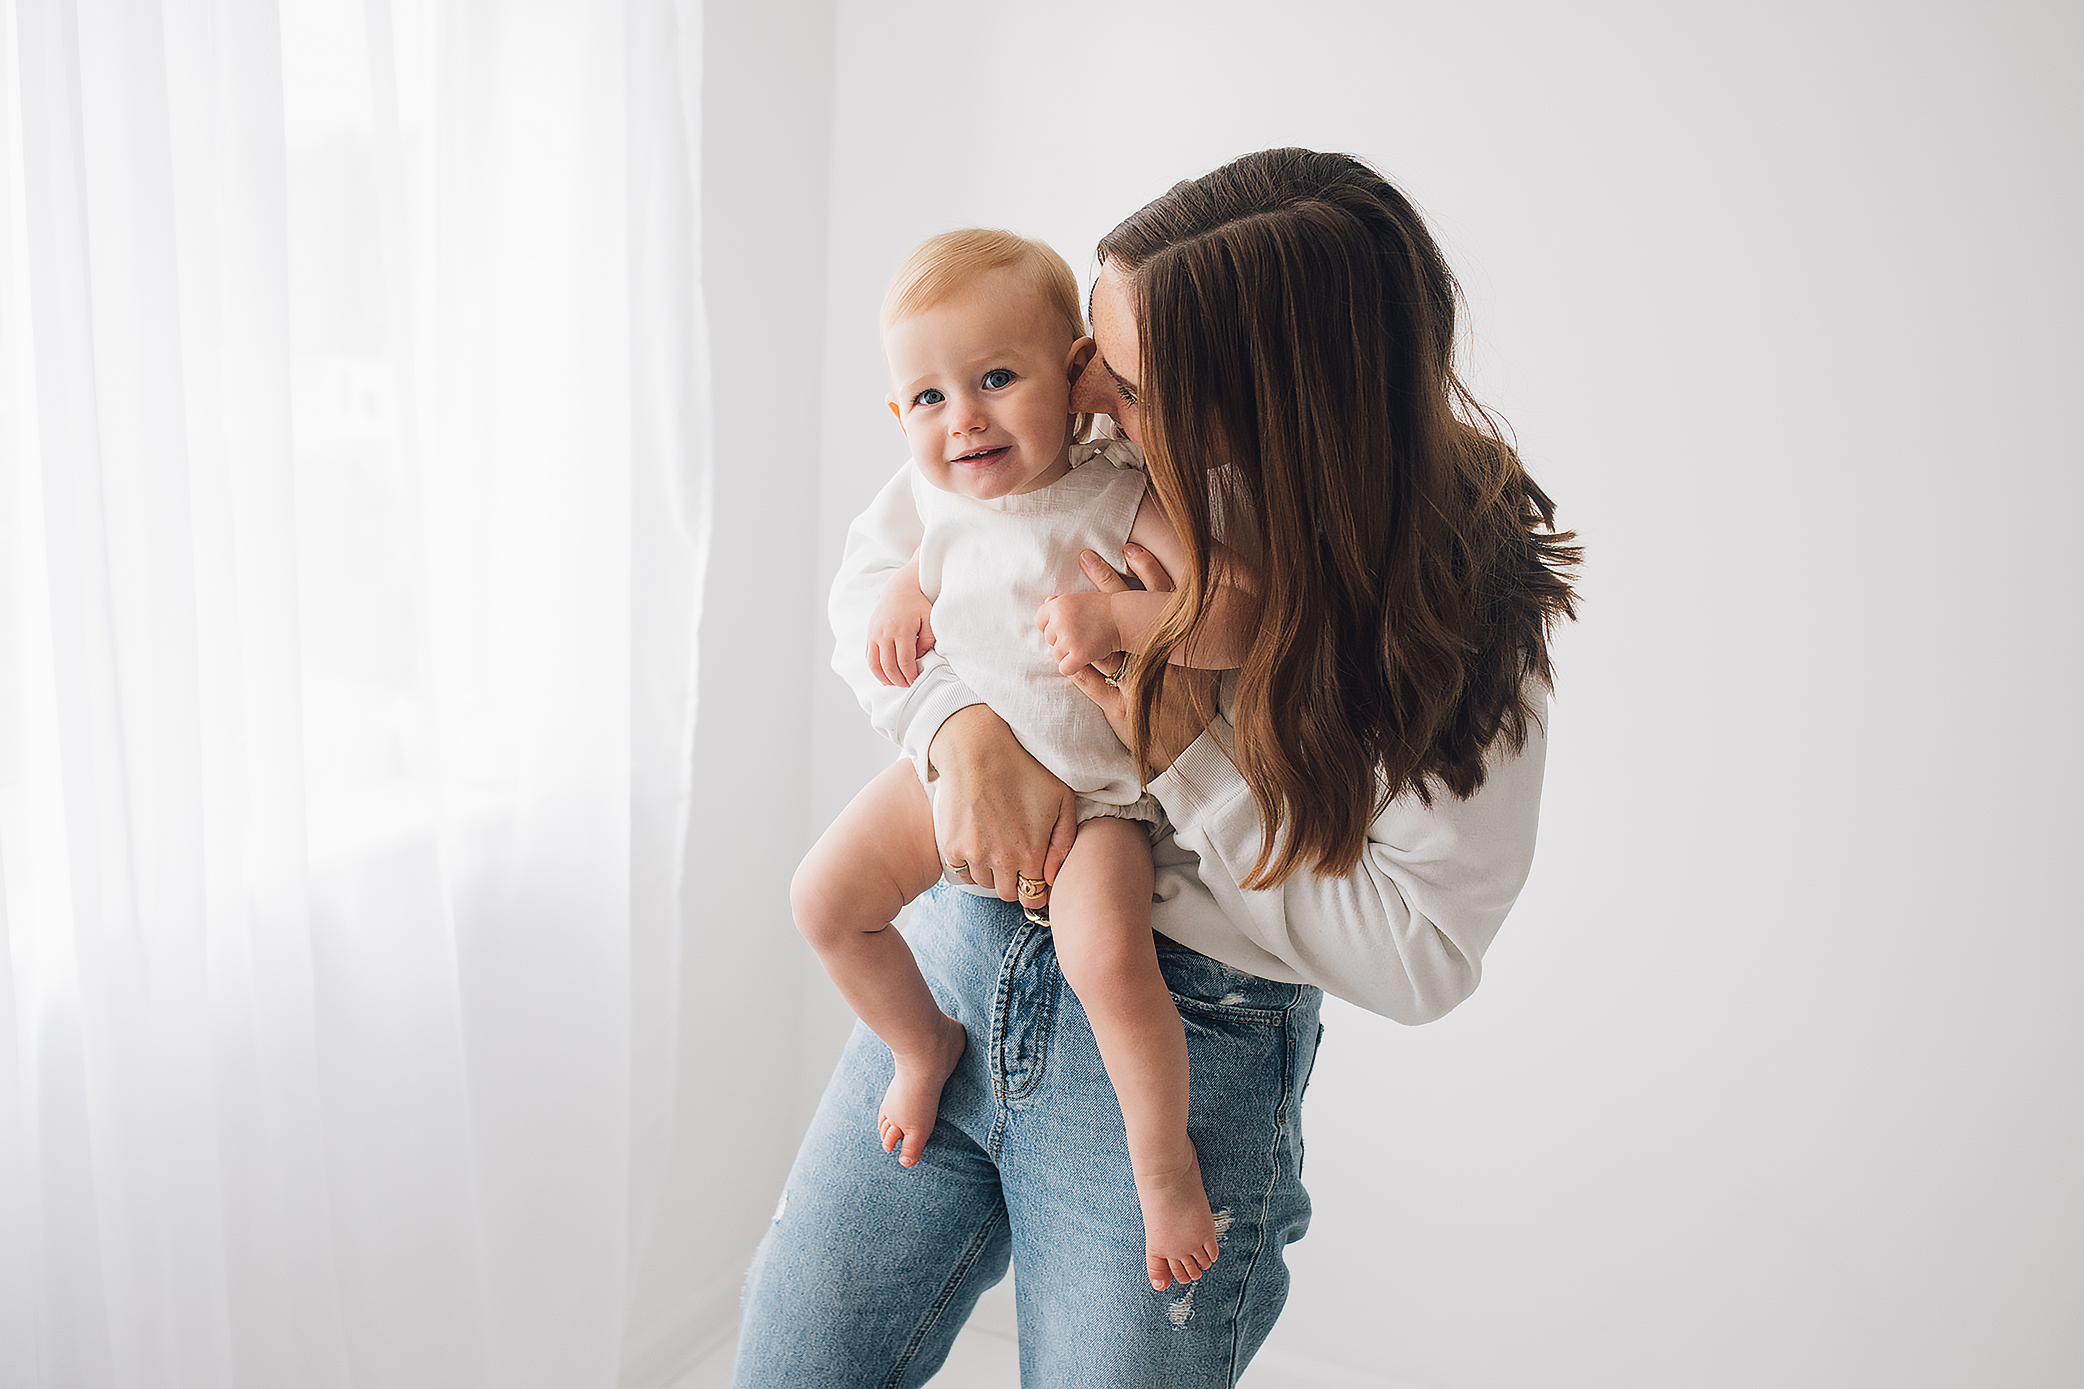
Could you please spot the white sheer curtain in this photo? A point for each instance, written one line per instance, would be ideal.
(353, 469)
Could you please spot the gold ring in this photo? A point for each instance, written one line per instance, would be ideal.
(1120, 672)
(1030, 887)
(956, 865)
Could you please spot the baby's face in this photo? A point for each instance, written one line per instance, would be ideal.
(981, 384)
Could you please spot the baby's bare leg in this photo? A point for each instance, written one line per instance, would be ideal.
(1100, 915)
(878, 855)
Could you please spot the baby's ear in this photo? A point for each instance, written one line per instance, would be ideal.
(891, 401)
(1080, 356)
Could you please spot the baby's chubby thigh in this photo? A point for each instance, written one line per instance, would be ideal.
(1100, 903)
(877, 855)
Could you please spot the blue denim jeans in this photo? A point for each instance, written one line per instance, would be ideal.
(870, 1269)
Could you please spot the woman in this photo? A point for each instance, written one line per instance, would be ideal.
(1278, 337)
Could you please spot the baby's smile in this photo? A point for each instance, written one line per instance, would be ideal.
(981, 383)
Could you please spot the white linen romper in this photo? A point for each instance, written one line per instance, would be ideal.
(988, 565)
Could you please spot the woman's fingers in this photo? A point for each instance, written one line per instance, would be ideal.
(1093, 685)
(1101, 574)
(1060, 843)
(1178, 721)
(976, 870)
(964, 855)
(1005, 880)
(998, 808)
(1144, 565)
(1005, 866)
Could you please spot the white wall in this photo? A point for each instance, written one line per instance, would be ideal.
(1775, 1077)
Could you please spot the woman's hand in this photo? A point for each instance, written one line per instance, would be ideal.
(1175, 724)
(999, 813)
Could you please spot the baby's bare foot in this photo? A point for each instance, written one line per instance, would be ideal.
(1179, 1233)
(914, 1096)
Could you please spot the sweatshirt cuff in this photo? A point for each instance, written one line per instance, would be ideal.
(1201, 779)
(926, 721)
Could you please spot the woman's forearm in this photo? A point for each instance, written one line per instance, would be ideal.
(1404, 933)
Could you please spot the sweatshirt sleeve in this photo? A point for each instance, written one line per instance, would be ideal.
(1403, 935)
(879, 542)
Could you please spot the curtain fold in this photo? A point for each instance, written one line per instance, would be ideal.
(353, 509)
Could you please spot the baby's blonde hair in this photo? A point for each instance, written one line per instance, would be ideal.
(941, 267)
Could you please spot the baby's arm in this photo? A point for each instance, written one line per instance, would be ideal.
(900, 630)
(879, 542)
(1085, 628)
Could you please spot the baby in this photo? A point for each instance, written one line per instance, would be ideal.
(983, 336)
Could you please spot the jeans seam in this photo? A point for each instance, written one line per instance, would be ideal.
(1002, 1090)
(947, 1295)
(1001, 1010)
(1045, 1029)
(1001, 1000)
(1266, 1197)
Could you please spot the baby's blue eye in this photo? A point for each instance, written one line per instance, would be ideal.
(929, 396)
(997, 379)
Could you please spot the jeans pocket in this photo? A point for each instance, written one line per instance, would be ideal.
(1216, 992)
(1310, 1070)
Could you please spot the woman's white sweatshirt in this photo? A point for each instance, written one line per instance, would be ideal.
(1403, 935)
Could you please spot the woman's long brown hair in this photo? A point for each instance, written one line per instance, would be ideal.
(1298, 397)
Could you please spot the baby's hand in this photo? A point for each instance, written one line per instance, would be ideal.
(1081, 630)
(900, 630)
